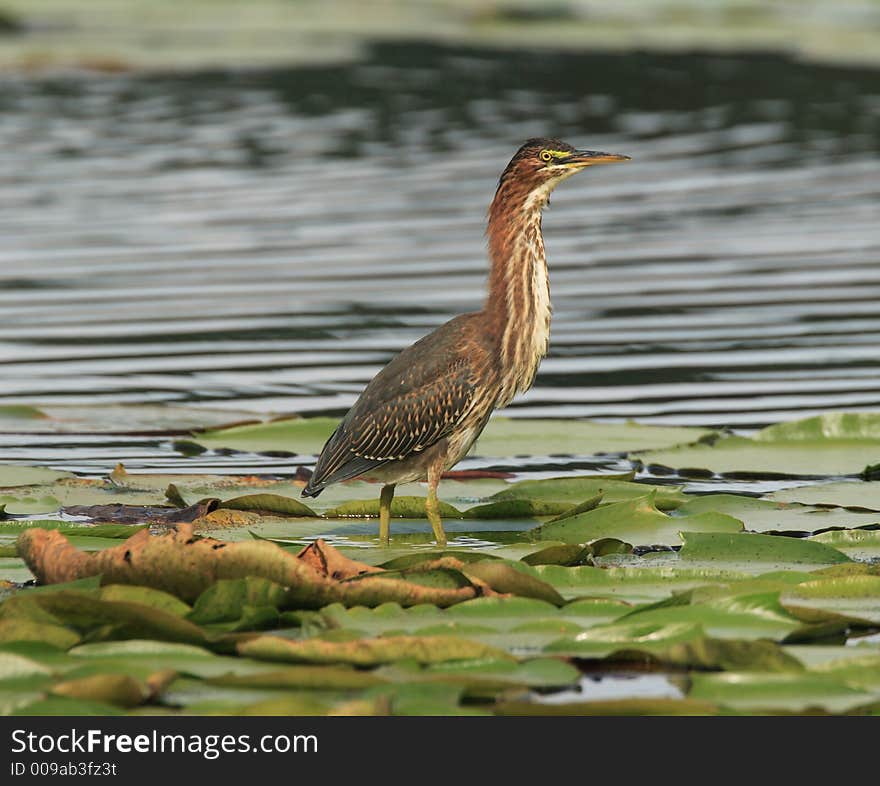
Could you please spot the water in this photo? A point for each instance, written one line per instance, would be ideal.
(265, 241)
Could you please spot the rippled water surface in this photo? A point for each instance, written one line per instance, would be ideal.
(266, 241)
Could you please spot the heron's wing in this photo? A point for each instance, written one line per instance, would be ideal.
(414, 402)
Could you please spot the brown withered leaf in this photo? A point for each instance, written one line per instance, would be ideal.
(330, 562)
(142, 514)
(184, 565)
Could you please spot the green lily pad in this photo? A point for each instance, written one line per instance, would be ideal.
(411, 560)
(489, 676)
(227, 599)
(727, 654)
(798, 458)
(273, 504)
(115, 619)
(567, 554)
(401, 507)
(21, 412)
(760, 515)
(521, 437)
(855, 543)
(602, 640)
(14, 667)
(28, 505)
(146, 596)
(519, 509)
(313, 677)
(368, 652)
(636, 521)
(67, 706)
(23, 629)
(855, 596)
(740, 616)
(846, 493)
(14, 475)
(502, 437)
(828, 426)
(504, 577)
(861, 670)
(769, 550)
(794, 692)
(585, 490)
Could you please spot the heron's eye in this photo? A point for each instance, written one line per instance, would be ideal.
(546, 155)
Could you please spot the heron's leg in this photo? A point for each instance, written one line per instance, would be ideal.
(385, 498)
(432, 504)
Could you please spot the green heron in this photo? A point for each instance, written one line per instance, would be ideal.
(420, 414)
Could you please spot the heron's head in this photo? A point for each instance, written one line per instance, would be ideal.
(541, 164)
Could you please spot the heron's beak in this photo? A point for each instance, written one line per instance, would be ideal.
(584, 158)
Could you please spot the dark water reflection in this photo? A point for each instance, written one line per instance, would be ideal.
(267, 240)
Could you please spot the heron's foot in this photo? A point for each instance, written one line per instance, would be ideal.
(385, 498)
(432, 508)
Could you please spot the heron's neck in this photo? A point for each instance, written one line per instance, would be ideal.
(518, 304)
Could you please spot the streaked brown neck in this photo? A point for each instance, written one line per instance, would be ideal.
(518, 304)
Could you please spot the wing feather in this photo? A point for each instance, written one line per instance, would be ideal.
(414, 402)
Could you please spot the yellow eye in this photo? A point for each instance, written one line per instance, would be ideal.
(546, 155)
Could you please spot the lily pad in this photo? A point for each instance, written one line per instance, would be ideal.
(855, 543)
(502, 437)
(520, 509)
(846, 493)
(634, 585)
(401, 507)
(368, 652)
(828, 426)
(21, 412)
(794, 692)
(760, 515)
(636, 521)
(27, 505)
(579, 490)
(751, 616)
(854, 596)
(14, 475)
(502, 577)
(273, 504)
(749, 457)
(768, 550)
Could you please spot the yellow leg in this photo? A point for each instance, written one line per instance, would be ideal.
(385, 498)
(432, 506)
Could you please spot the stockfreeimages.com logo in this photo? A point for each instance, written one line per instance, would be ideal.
(210, 746)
